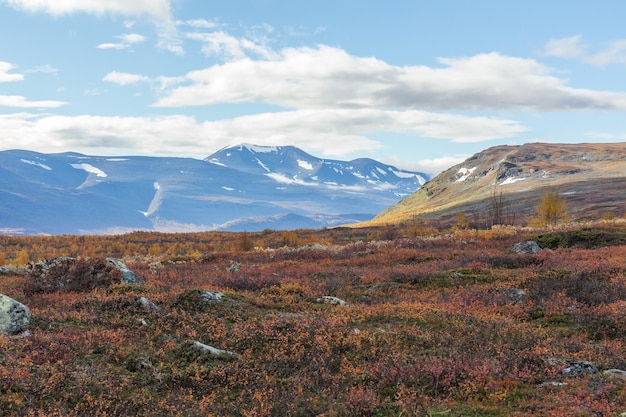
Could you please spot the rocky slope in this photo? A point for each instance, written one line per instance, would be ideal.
(590, 177)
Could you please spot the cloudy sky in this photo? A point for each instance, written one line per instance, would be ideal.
(419, 84)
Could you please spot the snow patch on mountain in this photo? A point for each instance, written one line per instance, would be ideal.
(38, 164)
(216, 161)
(263, 165)
(286, 180)
(258, 149)
(90, 169)
(305, 164)
(465, 173)
(512, 180)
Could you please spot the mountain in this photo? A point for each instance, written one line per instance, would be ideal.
(590, 177)
(243, 187)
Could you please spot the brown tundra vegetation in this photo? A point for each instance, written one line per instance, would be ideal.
(394, 321)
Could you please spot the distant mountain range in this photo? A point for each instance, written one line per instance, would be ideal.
(243, 187)
(590, 177)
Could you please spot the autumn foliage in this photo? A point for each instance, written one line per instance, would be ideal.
(451, 323)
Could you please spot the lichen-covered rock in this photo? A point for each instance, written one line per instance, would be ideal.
(529, 247)
(210, 350)
(579, 368)
(198, 300)
(128, 276)
(615, 372)
(14, 316)
(514, 295)
(327, 299)
(146, 304)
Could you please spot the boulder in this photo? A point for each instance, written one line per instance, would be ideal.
(198, 300)
(128, 276)
(579, 368)
(146, 304)
(327, 299)
(615, 372)
(210, 350)
(528, 247)
(514, 295)
(14, 316)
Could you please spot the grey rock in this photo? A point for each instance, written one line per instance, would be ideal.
(234, 267)
(210, 350)
(14, 316)
(211, 296)
(327, 299)
(615, 372)
(514, 295)
(528, 247)
(147, 304)
(128, 276)
(579, 368)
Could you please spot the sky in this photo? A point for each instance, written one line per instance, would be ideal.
(418, 84)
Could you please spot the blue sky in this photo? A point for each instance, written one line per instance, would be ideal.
(418, 84)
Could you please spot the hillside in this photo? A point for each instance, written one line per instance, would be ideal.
(589, 176)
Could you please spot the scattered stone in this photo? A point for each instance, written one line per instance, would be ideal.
(579, 368)
(147, 304)
(128, 276)
(198, 300)
(327, 299)
(6, 270)
(615, 372)
(14, 316)
(514, 295)
(211, 296)
(552, 384)
(313, 246)
(234, 267)
(210, 350)
(528, 247)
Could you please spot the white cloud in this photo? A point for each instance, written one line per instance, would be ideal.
(230, 48)
(123, 78)
(329, 132)
(573, 48)
(199, 23)
(325, 77)
(126, 41)
(5, 76)
(22, 102)
(45, 69)
(159, 11)
(606, 136)
(431, 166)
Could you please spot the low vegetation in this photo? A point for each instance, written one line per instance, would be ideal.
(393, 321)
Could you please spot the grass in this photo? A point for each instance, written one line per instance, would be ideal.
(429, 329)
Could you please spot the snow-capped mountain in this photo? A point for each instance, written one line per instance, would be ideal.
(244, 187)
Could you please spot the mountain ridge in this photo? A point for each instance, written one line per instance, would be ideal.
(253, 189)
